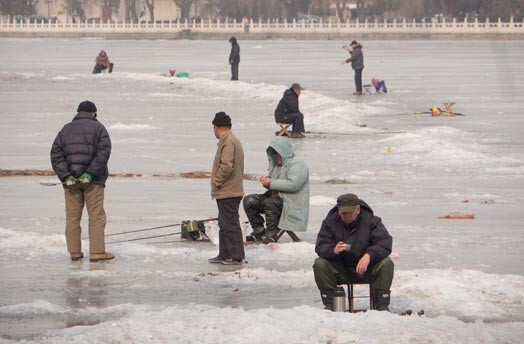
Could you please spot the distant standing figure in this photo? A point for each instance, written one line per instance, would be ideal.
(79, 156)
(287, 111)
(357, 63)
(102, 63)
(227, 187)
(234, 58)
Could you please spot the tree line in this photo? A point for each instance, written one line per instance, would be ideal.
(289, 9)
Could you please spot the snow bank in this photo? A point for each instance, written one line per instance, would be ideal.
(324, 113)
(319, 200)
(303, 324)
(30, 244)
(444, 148)
(62, 78)
(130, 126)
(40, 308)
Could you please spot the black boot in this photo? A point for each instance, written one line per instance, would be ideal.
(258, 233)
(270, 237)
(382, 299)
(327, 299)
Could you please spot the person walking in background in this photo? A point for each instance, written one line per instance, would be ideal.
(102, 63)
(234, 58)
(79, 156)
(357, 63)
(227, 187)
(285, 204)
(287, 111)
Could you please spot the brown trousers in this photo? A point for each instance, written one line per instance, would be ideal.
(92, 195)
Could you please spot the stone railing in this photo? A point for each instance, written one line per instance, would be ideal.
(367, 27)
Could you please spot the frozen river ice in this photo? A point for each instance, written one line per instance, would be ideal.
(466, 274)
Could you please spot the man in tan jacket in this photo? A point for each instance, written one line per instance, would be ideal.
(227, 187)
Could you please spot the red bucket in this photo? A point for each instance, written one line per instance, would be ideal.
(172, 72)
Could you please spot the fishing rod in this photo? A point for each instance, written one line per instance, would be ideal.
(145, 229)
(151, 228)
(144, 238)
(167, 242)
(355, 134)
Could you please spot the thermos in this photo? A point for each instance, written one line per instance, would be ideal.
(339, 300)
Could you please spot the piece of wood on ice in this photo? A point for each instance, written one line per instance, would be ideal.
(458, 216)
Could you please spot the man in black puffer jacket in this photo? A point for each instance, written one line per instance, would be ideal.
(354, 247)
(288, 112)
(79, 156)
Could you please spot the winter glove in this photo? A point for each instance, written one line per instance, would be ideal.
(85, 178)
(70, 181)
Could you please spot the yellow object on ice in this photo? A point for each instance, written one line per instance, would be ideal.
(435, 111)
(389, 149)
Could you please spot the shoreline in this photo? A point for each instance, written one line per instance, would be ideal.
(181, 35)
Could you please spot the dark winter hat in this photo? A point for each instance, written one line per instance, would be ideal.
(296, 85)
(353, 42)
(347, 203)
(86, 106)
(232, 40)
(222, 120)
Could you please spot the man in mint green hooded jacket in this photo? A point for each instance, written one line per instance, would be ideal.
(285, 204)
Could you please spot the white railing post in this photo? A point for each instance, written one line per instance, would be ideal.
(452, 26)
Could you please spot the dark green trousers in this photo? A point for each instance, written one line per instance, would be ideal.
(329, 274)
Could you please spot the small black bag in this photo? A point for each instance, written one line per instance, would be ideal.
(193, 230)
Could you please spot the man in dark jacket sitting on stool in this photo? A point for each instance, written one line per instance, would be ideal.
(354, 247)
(287, 110)
(79, 156)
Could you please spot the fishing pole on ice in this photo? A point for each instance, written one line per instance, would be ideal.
(152, 228)
(144, 238)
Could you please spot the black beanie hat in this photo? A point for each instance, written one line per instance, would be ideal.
(222, 120)
(87, 106)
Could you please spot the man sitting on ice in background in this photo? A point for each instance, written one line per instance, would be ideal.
(353, 247)
(285, 204)
(102, 63)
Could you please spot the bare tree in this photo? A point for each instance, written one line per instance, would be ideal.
(18, 7)
(131, 13)
(341, 5)
(150, 4)
(185, 7)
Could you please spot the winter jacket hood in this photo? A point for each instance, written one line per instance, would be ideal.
(291, 181)
(283, 147)
(367, 234)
